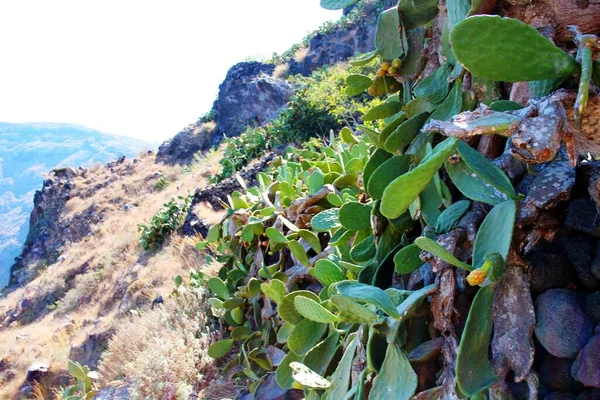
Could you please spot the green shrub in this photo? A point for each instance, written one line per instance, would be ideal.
(167, 220)
(161, 184)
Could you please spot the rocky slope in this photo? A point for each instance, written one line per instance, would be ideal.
(27, 151)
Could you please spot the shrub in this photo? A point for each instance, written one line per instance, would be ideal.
(161, 184)
(168, 219)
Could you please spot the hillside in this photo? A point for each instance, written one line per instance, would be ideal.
(418, 222)
(27, 152)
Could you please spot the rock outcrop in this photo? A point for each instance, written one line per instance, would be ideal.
(181, 148)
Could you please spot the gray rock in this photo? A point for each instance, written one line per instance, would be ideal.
(560, 396)
(181, 148)
(550, 271)
(591, 306)
(586, 368)
(581, 252)
(582, 216)
(37, 371)
(562, 326)
(555, 373)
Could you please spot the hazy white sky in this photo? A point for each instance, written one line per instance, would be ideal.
(140, 68)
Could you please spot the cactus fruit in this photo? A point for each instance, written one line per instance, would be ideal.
(505, 49)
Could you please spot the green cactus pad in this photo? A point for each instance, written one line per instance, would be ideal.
(417, 13)
(364, 59)
(275, 290)
(283, 374)
(350, 311)
(305, 336)
(307, 377)
(407, 259)
(388, 38)
(340, 380)
(505, 105)
(325, 220)
(396, 380)
(505, 49)
(355, 216)
(219, 288)
(495, 233)
(220, 348)
(328, 273)
(298, 251)
(378, 157)
(386, 173)
(478, 179)
(452, 105)
(319, 357)
(405, 133)
(399, 194)
(311, 238)
(313, 311)
(357, 84)
(412, 63)
(474, 372)
(412, 302)
(287, 309)
(450, 216)
(336, 4)
(368, 294)
(432, 247)
(435, 87)
(276, 236)
(383, 110)
(364, 250)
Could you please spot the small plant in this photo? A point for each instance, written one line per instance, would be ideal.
(161, 184)
(85, 388)
(167, 220)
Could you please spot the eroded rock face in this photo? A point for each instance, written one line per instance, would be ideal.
(249, 96)
(181, 148)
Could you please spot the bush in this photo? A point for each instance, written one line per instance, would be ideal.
(168, 219)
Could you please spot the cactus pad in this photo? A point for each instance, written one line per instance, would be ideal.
(505, 49)
(336, 4)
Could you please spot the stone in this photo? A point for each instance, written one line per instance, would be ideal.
(37, 371)
(593, 394)
(550, 271)
(582, 216)
(591, 306)
(581, 252)
(586, 368)
(560, 396)
(595, 267)
(562, 326)
(552, 185)
(555, 373)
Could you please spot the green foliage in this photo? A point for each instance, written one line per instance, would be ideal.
(167, 220)
(506, 49)
(85, 388)
(161, 184)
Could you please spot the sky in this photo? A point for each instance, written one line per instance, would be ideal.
(140, 68)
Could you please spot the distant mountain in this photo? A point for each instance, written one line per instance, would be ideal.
(29, 150)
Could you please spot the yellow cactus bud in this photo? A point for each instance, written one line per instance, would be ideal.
(397, 63)
(385, 65)
(476, 277)
(392, 71)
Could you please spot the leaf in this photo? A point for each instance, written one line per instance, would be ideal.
(325, 220)
(275, 290)
(457, 11)
(315, 181)
(506, 49)
(305, 336)
(417, 13)
(357, 84)
(432, 247)
(364, 59)
(241, 333)
(396, 379)
(312, 239)
(76, 370)
(412, 302)
(340, 380)
(407, 259)
(320, 356)
(368, 294)
(313, 311)
(276, 236)
(336, 4)
(411, 65)
(378, 157)
(387, 37)
(328, 273)
(399, 194)
(495, 233)
(213, 234)
(363, 251)
(350, 311)
(355, 216)
(307, 377)
(298, 252)
(431, 202)
(347, 137)
(219, 288)
(435, 87)
(383, 110)
(220, 348)
(386, 173)
(284, 371)
(287, 309)
(452, 105)
(405, 133)
(479, 179)
(474, 372)
(451, 215)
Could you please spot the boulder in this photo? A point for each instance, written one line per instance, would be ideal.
(586, 368)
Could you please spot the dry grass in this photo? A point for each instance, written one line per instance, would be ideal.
(101, 277)
(159, 355)
(301, 54)
(281, 71)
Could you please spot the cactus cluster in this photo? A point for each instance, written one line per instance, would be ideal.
(319, 257)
